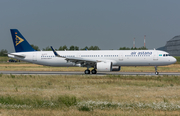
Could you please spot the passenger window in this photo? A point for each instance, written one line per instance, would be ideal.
(164, 55)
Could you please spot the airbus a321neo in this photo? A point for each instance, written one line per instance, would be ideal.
(99, 60)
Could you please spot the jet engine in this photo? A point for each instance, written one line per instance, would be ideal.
(107, 67)
(104, 66)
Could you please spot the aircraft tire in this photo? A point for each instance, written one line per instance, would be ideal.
(87, 72)
(156, 73)
(94, 71)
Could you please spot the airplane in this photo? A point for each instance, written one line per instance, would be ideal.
(99, 60)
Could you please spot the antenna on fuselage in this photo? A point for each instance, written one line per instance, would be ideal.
(144, 41)
(134, 43)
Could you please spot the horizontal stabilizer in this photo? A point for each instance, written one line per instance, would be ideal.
(18, 55)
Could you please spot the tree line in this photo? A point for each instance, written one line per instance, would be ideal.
(126, 48)
(4, 52)
(62, 48)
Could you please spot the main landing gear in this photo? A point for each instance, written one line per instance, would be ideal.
(88, 71)
(156, 73)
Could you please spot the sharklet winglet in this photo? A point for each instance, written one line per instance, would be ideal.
(55, 53)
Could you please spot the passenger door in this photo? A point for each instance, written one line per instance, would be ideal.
(155, 56)
(121, 57)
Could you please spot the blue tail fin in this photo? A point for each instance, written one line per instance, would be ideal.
(20, 43)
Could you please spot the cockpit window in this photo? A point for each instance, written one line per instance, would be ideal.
(166, 55)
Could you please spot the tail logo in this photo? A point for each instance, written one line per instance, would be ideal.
(18, 40)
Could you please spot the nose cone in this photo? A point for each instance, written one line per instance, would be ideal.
(173, 60)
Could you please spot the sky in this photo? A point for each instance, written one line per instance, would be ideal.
(109, 24)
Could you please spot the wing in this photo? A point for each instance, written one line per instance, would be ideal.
(78, 60)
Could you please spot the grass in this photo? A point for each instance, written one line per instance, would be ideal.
(31, 102)
(89, 95)
(4, 58)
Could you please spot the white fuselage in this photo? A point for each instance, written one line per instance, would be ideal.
(117, 57)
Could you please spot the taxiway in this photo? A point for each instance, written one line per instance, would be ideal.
(82, 73)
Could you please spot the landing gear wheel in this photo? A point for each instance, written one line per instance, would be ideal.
(157, 73)
(94, 71)
(87, 72)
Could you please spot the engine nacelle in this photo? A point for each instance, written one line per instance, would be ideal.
(104, 66)
(107, 66)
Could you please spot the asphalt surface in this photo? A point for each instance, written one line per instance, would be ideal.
(82, 73)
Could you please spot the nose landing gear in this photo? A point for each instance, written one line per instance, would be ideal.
(156, 73)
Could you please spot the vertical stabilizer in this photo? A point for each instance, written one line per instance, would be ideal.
(20, 43)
